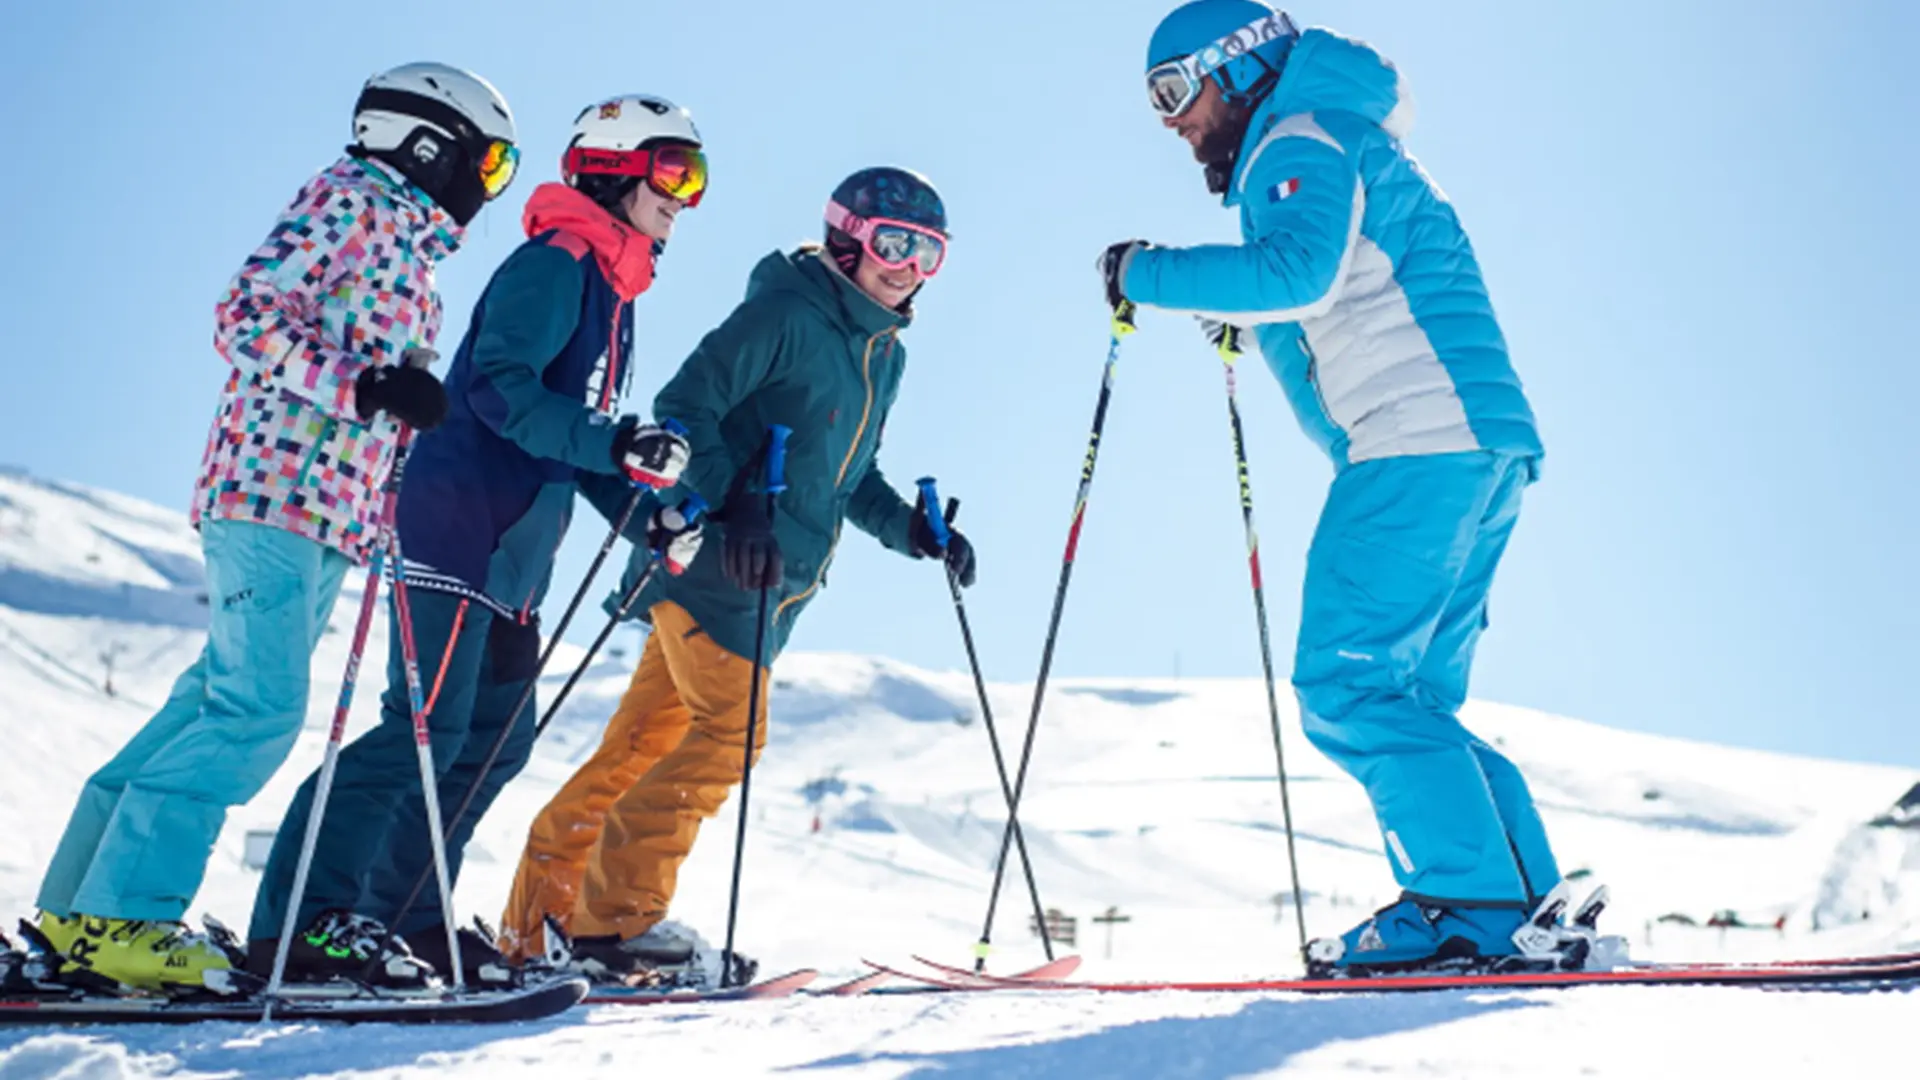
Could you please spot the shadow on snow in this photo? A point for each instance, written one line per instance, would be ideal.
(272, 1052)
(1261, 1036)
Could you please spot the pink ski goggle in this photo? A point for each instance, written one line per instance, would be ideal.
(894, 243)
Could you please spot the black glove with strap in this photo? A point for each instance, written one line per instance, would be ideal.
(957, 552)
(1223, 336)
(751, 555)
(1113, 270)
(411, 395)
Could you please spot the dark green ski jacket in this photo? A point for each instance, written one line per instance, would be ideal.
(807, 349)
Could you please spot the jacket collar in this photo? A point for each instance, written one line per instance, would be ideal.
(861, 312)
(624, 254)
(435, 233)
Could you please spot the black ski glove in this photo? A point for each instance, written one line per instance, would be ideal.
(1113, 270)
(958, 553)
(751, 556)
(410, 395)
(1223, 336)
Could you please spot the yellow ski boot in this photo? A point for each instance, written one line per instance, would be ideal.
(148, 955)
(59, 930)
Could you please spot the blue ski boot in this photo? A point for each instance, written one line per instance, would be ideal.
(1412, 936)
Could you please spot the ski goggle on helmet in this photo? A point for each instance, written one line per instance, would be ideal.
(894, 243)
(674, 170)
(1175, 85)
(498, 164)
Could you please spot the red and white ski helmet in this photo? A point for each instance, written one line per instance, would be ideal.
(606, 136)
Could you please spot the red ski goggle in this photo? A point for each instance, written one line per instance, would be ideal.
(675, 171)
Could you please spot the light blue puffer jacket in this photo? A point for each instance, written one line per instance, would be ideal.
(1363, 292)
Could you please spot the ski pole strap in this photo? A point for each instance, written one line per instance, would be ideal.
(931, 496)
(777, 435)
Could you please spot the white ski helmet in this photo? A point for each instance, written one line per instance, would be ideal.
(447, 129)
(612, 146)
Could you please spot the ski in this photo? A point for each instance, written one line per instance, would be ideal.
(777, 987)
(1052, 971)
(857, 986)
(302, 1004)
(1890, 972)
(874, 981)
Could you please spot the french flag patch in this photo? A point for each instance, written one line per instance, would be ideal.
(1284, 190)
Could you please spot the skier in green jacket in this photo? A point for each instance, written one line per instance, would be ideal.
(815, 346)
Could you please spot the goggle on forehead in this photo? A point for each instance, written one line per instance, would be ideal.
(1174, 86)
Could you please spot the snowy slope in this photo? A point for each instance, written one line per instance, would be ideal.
(876, 816)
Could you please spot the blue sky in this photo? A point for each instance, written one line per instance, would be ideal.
(1692, 217)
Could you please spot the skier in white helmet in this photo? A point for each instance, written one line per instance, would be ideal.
(534, 418)
(323, 327)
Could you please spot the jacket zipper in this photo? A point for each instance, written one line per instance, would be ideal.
(306, 465)
(859, 433)
(1313, 380)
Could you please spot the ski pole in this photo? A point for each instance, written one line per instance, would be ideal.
(943, 535)
(691, 508)
(526, 693)
(1229, 353)
(423, 743)
(776, 483)
(323, 786)
(1122, 326)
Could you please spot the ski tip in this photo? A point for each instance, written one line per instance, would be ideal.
(1059, 968)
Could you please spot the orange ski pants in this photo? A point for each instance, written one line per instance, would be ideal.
(604, 855)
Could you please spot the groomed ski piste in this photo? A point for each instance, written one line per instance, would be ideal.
(876, 816)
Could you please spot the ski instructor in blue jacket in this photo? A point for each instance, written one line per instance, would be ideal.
(1358, 283)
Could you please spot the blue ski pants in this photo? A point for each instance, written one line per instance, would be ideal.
(138, 842)
(373, 838)
(1394, 605)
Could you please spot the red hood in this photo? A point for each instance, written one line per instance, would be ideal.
(625, 255)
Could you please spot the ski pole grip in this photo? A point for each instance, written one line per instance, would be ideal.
(673, 427)
(777, 458)
(692, 507)
(930, 495)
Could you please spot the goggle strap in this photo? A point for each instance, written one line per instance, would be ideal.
(1203, 62)
(847, 221)
(1241, 42)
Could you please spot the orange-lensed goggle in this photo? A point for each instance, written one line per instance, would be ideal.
(676, 171)
(497, 167)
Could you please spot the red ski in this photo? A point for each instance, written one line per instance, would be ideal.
(953, 978)
(777, 987)
(1896, 971)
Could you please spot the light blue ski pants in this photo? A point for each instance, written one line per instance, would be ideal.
(138, 842)
(1395, 601)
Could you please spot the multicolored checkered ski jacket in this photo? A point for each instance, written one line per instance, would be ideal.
(344, 282)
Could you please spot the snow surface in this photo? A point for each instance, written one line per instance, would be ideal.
(1155, 796)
